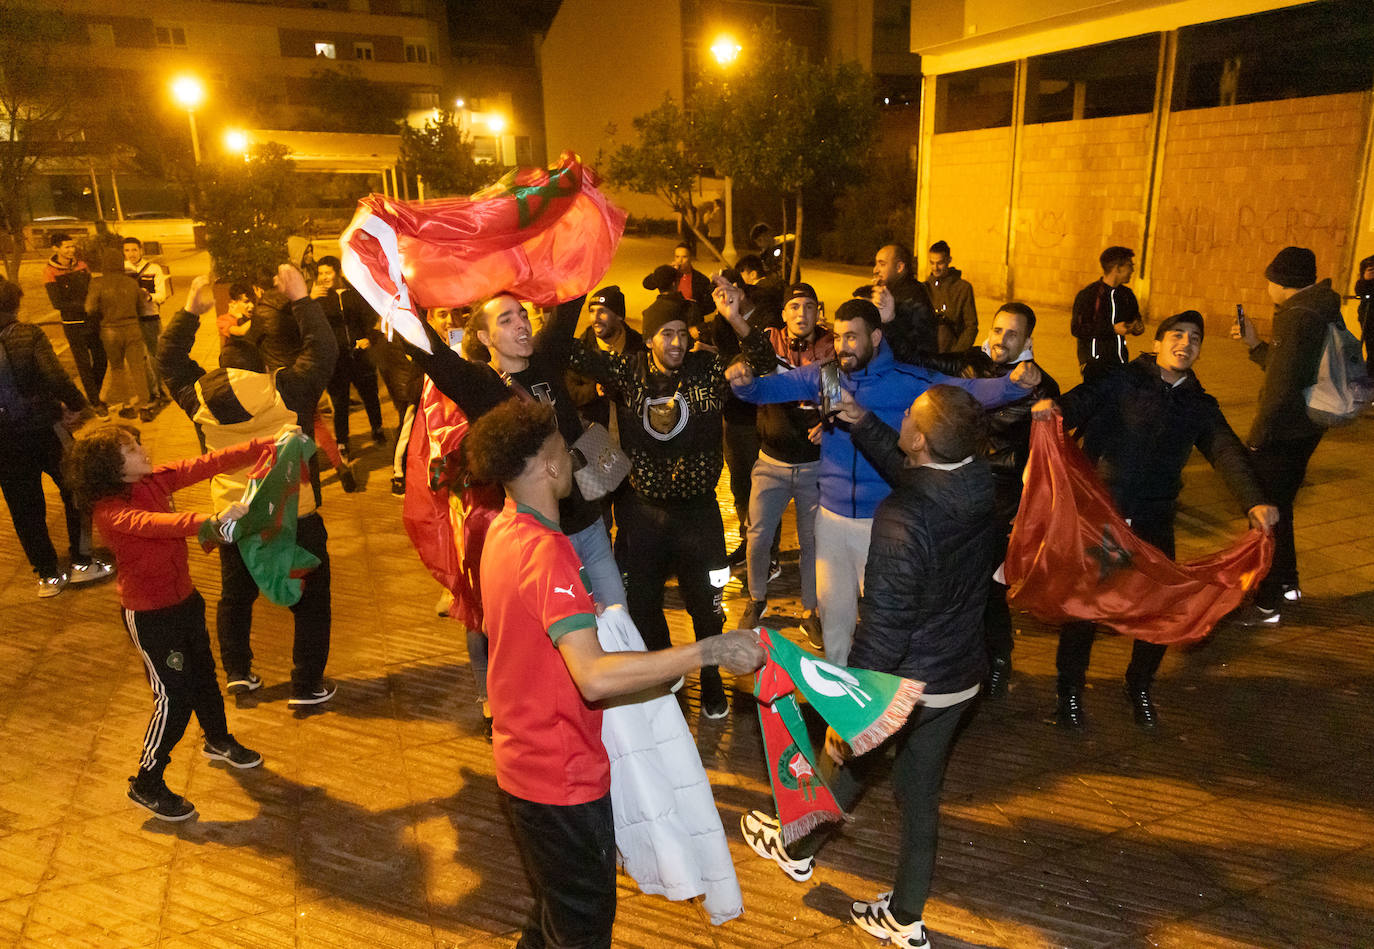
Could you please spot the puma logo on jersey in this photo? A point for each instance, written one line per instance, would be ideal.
(568, 590)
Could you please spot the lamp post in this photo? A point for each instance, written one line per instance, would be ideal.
(726, 51)
(189, 94)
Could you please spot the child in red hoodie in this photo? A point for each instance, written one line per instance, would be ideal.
(131, 505)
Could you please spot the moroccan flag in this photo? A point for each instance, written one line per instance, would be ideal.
(864, 707)
(447, 522)
(266, 535)
(1073, 557)
(547, 235)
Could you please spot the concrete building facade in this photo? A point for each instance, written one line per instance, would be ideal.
(1205, 135)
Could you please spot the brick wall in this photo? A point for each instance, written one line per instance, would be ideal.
(968, 204)
(1082, 189)
(1242, 182)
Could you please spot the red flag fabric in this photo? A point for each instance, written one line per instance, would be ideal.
(547, 235)
(447, 533)
(1073, 557)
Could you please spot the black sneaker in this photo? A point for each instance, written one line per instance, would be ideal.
(398, 487)
(774, 570)
(811, 625)
(714, 704)
(239, 684)
(163, 804)
(346, 479)
(1255, 615)
(232, 753)
(378, 436)
(752, 614)
(738, 555)
(321, 693)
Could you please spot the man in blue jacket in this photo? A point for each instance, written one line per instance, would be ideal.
(850, 486)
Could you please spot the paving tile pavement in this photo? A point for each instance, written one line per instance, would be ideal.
(376, 819)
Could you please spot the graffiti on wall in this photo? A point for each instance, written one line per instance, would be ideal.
(1046, 229)
(1199, 229)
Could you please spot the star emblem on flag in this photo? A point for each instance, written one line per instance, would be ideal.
(1110, 555)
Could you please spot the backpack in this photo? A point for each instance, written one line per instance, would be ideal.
(14, 406)
(1342, 388)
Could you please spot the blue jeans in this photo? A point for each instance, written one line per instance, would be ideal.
(593, 547)
(773, 486)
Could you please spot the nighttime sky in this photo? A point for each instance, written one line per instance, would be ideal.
(504, 19)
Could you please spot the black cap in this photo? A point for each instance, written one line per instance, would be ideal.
(800, 290)
(668, 308)
(1187, 316)
(1293, 267)
(611, 298)
(663, 279)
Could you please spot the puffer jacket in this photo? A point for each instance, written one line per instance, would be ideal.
(930, 559)
(1290, 362)
(36, 387)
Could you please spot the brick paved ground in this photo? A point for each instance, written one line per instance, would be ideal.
(374, 822)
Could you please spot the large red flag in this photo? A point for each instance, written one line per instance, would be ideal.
(1073, 557)
(547, 235)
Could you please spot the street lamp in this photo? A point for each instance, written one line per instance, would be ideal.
(189, 94)
(236, 141)
(726, 50)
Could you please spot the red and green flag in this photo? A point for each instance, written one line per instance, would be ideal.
(266, 535)
(864, 707)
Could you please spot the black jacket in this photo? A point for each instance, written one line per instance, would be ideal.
(35, 387)
(1290, 361)
(300, 382)
(913, 330)
(1141, 431)
(931, 557)
(1008, 444)
(477, 389)
(1097, 310)
(593, 406)
(726, 341)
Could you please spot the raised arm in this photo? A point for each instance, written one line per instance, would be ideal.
(471, 386)
(878, 443)
(319, 346)
(174, 362)
(555, 338)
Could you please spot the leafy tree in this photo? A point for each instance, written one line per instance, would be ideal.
(663, 164)
(345, 101)
(821, 119)
(442, 155)
(247, 208)
(37, 99)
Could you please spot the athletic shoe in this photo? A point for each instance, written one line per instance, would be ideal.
(714, 704)
(128, 412)
(97, 569)
(811, 625)
(162, 802)
(752, 614)
(101, 409)
(763, 834)
(378, 436)
(876, 919)
(346, 479)
(398, 487)
(774, 570)
(1291, 593)
(51, 586)
(738, 555)
(1256, 615)
(321, 693)
(232, 753)
(145, 415)
(246, 682)
(445, 603)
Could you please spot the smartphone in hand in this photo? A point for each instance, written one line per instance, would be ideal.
(1240, 318)
(455, 339)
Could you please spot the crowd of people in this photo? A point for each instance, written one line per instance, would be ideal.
(898, 438)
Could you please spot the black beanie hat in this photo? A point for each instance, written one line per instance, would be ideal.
(666, 309)
(1187, 316)
(1293, 267)
(611, 298)
(663, 279)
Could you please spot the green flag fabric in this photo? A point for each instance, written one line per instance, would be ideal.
(266, 535)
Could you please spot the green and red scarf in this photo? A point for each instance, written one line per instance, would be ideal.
(864, 707)
(266, 535)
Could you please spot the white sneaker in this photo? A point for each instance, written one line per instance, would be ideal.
(51, 586)
(876, 919)
(97, 569)
(763, 834)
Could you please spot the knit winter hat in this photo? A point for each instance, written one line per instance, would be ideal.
(668, 308)
(1293, 267)
(611, 298)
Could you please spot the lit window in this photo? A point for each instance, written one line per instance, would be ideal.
(173, 36)
(326, 50)
(362, 51)
(417, 53)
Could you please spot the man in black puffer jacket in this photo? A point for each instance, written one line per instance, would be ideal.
(930, 559)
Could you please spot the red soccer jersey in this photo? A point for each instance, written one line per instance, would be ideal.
(545, 738)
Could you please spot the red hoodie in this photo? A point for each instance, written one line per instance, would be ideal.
(148, 536)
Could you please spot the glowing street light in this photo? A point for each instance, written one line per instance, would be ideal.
(725, 49)
(497, 123)
(459, 103)
(236, 141)
(189, 94)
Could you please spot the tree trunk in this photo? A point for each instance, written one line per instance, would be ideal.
(702, 239)
(796, 249)
(13, 244)
(782, 243)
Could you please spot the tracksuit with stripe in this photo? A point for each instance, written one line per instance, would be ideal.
(163, 613)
